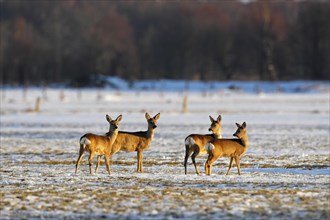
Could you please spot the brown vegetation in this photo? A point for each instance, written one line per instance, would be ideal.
(71, 41)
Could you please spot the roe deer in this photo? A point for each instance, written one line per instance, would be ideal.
(196, 142)
(136, 141)
(99, 144)
(233, 148)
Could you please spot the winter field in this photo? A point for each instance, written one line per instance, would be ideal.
(285, 171)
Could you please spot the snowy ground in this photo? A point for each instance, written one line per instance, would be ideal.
(285, 172)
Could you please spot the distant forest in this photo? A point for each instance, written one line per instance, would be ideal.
(72, 41)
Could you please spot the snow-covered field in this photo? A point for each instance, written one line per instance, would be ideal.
(285, 172)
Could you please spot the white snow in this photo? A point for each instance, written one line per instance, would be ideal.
(285, 171)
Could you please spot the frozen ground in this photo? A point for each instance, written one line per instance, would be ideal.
(285, 172)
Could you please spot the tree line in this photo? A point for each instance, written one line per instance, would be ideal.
(73, 41)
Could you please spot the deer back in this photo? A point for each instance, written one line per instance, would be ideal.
(99, 144)
(200, 140)
(131, 141)
(228, 147)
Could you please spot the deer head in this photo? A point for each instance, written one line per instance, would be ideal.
(215, 127)
(113, 123)
(152, 121)
(241, 130)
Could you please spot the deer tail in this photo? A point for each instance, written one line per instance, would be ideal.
(189, 141)
(84, 141)
(209, 147)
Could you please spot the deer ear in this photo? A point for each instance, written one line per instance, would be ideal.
(118, 119)
(147, 116)
(157, 116)
(244, 125)
(238, 125)
(108, 118)
(219, 118)
(211, 119)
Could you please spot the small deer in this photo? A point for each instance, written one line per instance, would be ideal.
(195, 142)
(233, 148)
(99, 144)
(136, 141)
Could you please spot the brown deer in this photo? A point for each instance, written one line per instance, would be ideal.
(195, 142)
(233, 148)
(99, 144)
(136, 141)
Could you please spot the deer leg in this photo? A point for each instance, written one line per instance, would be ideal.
(98, 162)
(209, 162)
(81, 154)
(188, 153)
(208, 165)
(139, 165)
(237, 160)
(90, 160)
(107, 162)
(193, 156)
(230, 165)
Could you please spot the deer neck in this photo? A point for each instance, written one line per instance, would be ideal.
(150, 133)
(217, 135)
(112, 133)
(245, 141)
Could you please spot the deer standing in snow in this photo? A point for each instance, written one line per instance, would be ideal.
(195, 142)
(136, 141)
(233, 148)
(99, 144)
